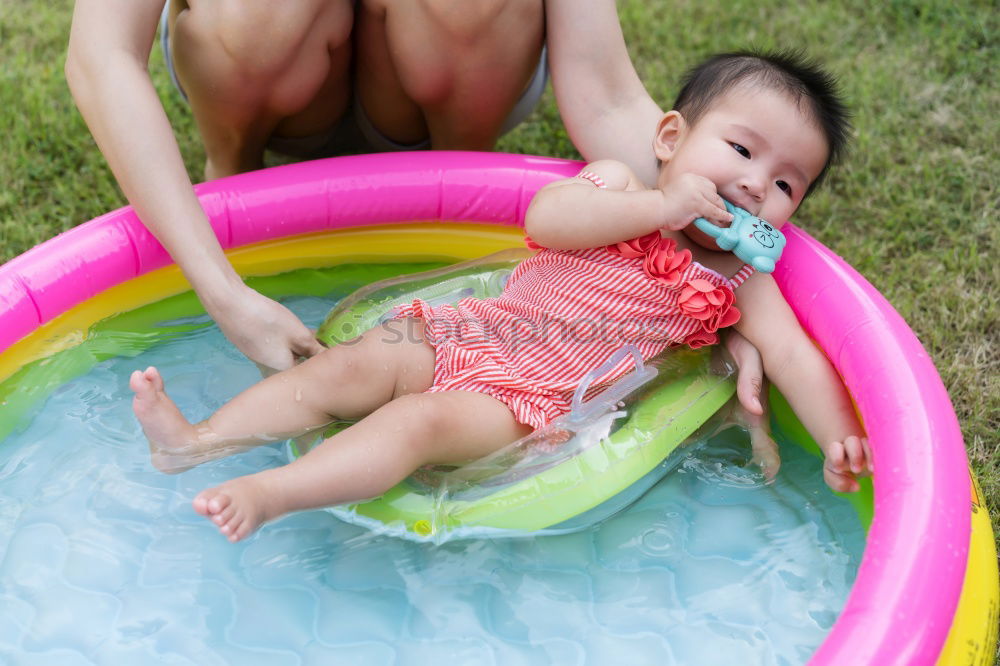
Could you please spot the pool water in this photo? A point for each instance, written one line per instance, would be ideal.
(103, 561)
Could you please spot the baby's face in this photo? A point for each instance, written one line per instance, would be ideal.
(759, 148)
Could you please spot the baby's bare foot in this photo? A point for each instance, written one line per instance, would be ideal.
(171, 437)
(237, 507)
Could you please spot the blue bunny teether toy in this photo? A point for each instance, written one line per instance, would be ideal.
(750, 238)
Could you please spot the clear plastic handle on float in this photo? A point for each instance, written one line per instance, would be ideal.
(607, 400)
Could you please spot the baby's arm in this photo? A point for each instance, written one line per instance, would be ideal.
(807, 379)
(576, 213)
(607, 112)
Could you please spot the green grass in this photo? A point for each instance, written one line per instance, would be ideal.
(914, 208)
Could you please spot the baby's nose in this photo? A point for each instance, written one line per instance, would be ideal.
(754, 187)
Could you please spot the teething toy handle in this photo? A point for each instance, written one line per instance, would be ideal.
(749, 237)
(722, 238)
(707, 227)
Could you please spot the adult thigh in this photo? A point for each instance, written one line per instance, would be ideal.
(274, 54)
(452, 70)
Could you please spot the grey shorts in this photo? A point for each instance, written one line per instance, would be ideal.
(354, 133)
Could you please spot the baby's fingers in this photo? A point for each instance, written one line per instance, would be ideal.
(868, 454)
(842, 482)
(714, 210)
(836, 458)
(836, 469)
(855, 451)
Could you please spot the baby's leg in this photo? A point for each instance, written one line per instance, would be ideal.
(366, 459)
(345, 382)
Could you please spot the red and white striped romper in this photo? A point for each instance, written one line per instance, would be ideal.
(564, 312)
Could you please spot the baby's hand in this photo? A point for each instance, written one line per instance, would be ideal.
(845, 461)
(689, 197)
(765, 453)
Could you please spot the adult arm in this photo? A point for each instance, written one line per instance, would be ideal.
(606, 109)
(106, 68)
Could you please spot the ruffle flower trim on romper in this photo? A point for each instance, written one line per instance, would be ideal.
(711, 305)
(698, 299)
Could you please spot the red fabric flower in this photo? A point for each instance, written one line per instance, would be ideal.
(665, 264)
(711, 305)
(700, 338)
(660, 259)
(637, 247)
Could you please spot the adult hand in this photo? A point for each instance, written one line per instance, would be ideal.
(264, 330)
(750, 378)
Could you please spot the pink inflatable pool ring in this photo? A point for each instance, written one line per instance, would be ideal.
(910, 579)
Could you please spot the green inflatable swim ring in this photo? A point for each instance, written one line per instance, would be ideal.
(580, 468)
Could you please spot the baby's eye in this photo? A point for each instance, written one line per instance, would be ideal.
(740, 149)
(784, 187)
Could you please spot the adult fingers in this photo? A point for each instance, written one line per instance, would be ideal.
(306, 346)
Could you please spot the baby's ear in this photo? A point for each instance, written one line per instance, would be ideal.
(669, 132)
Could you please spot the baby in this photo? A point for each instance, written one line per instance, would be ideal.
(618, 263)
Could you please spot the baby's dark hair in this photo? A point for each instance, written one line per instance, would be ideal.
(786, 71)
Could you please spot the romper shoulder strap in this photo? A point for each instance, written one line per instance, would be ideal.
(592, 177)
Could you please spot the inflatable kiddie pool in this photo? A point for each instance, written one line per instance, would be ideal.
(926, 589)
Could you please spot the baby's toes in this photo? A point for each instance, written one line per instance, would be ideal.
(242, 530)
(232, 528)
(224, 516)
(218, 503)
(209, 502)
(139, 384)
(154, 377)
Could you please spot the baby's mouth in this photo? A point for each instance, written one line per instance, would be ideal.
(748, 206)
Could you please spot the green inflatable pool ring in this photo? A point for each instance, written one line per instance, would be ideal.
(542, 482)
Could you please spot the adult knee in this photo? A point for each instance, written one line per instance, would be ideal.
(456, 34)
(259, 39)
